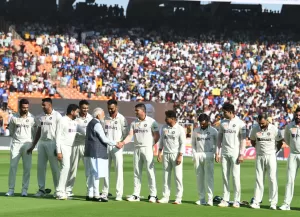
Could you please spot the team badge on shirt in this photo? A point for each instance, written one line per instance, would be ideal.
(27, 120)
(116, 122)
(208, 133)
(50, 118)
(268, 133)
(85, 121)
(233, 125)
(145, 125)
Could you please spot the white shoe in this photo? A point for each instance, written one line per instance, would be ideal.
(152, 199)
(223, 204)
(273, 207)
(10, 193)
(236, 204)
(285, 207)
(209, 203)
(24, 193)
(255, 206)
(40, 193)
(62, 197)
(163, 200)
(118, 199)
(69, 194)
(199, 202)
(133, 198)
(55, 195)
(177, 202)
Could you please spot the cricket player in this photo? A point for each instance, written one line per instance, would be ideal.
(172, 143)
(116, 129)
(292, 139)
(78, 148)
(204, 143)
(45, 138)
(96, 156)
(66, 132)
(266, 139)
(146, 133)
(22, 128)
(232, 140)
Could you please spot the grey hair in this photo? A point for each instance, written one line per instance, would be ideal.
(97, 111)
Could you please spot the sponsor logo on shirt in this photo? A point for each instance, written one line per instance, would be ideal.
(46, 123)
(230, 131)
(203, 139)
(264, 139)
(23, 125)
(108, 127)
(141, 131)
(72, 130)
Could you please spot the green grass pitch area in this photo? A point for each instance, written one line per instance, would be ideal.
(78, 207)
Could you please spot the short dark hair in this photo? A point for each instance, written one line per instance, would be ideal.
(141, 106)
(47, 100)
(228, 107)
(112, 102)
(22, 102)
(297, 109)
(170, 114)
(262, 116)
(72, 107)
(203, 117)
(83, 102)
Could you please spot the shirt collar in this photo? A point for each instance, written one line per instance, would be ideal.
(50, 113)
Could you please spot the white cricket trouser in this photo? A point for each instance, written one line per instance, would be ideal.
(204, 168)
(65, 169)
(229, 164)
(115, 155)
(144, 155)
(46, 151)
(292, 165)
(18, 150)
(77, 154)
(169, 164)
(92, 181)
(266, 163)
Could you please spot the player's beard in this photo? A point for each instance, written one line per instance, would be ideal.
(297, 120)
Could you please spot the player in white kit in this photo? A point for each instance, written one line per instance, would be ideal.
(45, 138)
(266, 139)
(66, 132)
(78, 148)
(116, 129)
(232, 140)
(146, 133)
(22, 128)
(204, 142)
(172, 147)
(292, 139)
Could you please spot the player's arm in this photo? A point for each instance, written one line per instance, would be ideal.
(129, 136)
(161, 146)
(12, 127)
(243, 136)
(215, 139)
(219, 146)
(194, 142)
(124, 125)
(253, 136)
(279, 140)
(36, 139)
(60, 129)
(182, 141)
(99, 130)
(287, 135)
(155, 132)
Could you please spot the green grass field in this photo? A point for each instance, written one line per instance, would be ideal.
(78, 207)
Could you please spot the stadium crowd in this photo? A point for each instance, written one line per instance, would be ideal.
(197, 74)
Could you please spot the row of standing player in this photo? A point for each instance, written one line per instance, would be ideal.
(231, 138)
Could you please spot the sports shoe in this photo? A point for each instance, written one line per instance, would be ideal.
(199, 202)
(152, 199)
(285, 207)
(103, 199)
(177, 202)
(40, 193)
(163, 200)
(119, 198)
(10, 193)
(133, 198)
(236, 204)
(70, 194)
(87, 198)
(24, 193)
(223, 204)
(273, 207)
(61, 197)
(255, 206)
(209, 203)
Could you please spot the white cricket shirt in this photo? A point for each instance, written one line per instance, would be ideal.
(292, 137)
(116, 128)
(233, 132)
(66, 132)
(82, 122)
(22, 129)
(48, 124)
(265, 139)
(204, 140)
(172, 139)
(142, 131)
